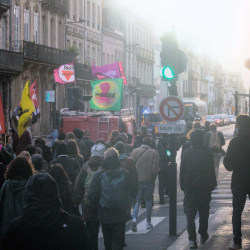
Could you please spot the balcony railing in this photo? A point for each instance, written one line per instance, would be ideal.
(4, 6)
(11, 62)
(58, 4)
(145, 54)
(141, 89)
(41, 53)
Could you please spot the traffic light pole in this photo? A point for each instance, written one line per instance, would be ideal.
(173, 193)
(173, 179)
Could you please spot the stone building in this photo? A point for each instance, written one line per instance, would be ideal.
(36, 29)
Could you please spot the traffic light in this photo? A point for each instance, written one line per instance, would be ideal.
(173, 61)
(169, 58)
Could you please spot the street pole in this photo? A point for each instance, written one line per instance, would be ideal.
(236, 102)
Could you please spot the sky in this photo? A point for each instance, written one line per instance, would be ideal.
(221, 28)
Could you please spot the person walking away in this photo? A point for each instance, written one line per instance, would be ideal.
(46, 150)
(44, 225)
(83, 182)
(60, 139)
(112, 139)
(38, 163)
(183, 137)
(74, 153)
(66, 189)
(70, 165)
(110, 192)
(150, 126)
(147, 164)
(197, 180)
(88, 143)
(11, 195)
(2, 169)
(163, 175)
(128, 164)
(19, 144)
(80, 142)
(214, 140)
(237, 160)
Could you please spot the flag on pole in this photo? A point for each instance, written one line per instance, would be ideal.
(109, 71)
(34, 99)
(107, 94)
(65, 74)
(2, 123)
(26, 109)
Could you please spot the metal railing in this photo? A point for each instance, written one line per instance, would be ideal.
(42, 53)
(145, 54)
(61, 5)
(11, 61)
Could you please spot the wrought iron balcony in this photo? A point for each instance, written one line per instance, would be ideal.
(141, 89)
(4, 6)
(58, 4)
(144, 54)
(44, 54)
(11, 62)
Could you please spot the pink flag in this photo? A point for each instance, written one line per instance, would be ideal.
(65, 73)
(34, 99)
(109, 71)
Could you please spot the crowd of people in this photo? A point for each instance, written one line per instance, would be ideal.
(57, 196)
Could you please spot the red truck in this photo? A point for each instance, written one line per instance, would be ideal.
(100, 124)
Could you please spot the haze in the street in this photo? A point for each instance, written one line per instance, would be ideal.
(218, 27)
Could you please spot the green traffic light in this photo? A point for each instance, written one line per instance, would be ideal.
(167, 73)
(168, 153)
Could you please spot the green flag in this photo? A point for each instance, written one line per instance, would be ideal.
(107, 94)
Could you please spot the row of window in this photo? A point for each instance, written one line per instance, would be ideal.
(26, 24)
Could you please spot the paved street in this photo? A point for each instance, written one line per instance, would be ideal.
(220, 228)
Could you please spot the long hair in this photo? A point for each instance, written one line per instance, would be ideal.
(72, 148)
(19, 168)
(113, 135)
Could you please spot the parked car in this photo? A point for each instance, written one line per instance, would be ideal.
(218, 120)
(209, 118)
(231, 119)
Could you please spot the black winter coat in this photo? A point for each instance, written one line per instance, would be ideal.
(197, 171)
(70, 166)
(237, 159)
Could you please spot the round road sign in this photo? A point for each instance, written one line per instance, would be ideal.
(172, 108)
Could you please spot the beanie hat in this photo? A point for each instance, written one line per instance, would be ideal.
(78, 133)
(37, 161)
(98, 150)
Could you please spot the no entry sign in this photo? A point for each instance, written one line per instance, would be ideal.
(171, 109)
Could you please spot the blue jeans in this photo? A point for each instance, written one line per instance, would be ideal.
(145, 190)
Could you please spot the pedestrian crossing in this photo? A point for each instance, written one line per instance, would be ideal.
(222, 192)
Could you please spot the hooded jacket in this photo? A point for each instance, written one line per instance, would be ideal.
(11, 202)
(100, 198)
(237, 160)
(44, 225)
(70, 165)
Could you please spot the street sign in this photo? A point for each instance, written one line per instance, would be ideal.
(172, 109)
(171, 128)
(50, 96)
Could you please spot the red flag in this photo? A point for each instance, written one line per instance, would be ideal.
(34, 99)
(2, 123)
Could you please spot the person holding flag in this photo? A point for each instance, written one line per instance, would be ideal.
(22, 138)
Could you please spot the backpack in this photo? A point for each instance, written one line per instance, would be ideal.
(87, 183)
(113, 189)
(214, 142)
